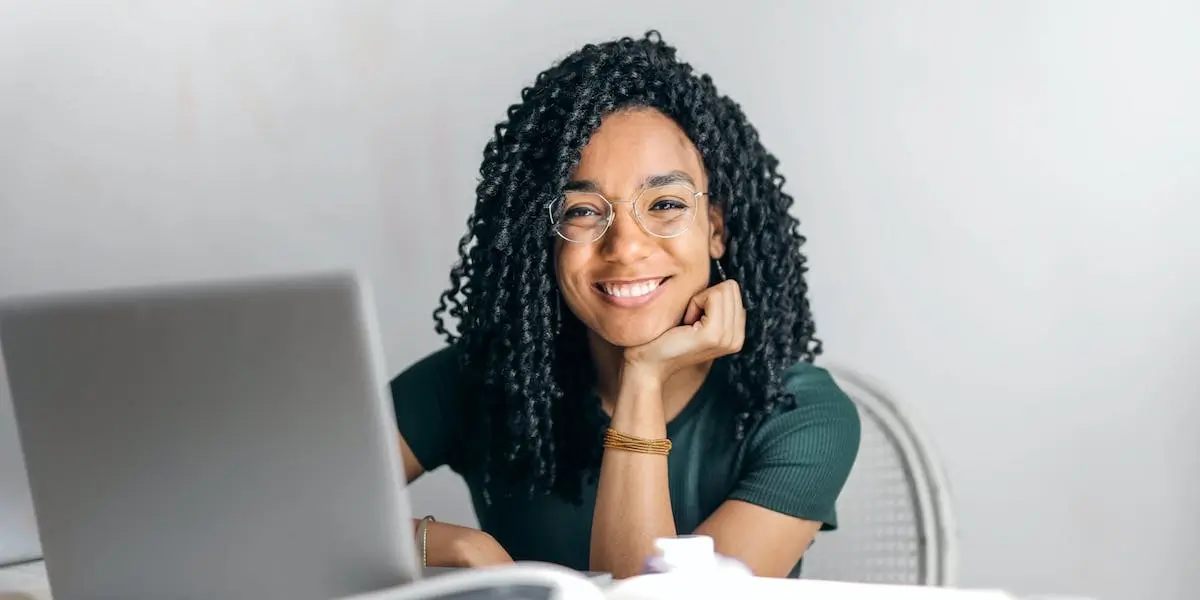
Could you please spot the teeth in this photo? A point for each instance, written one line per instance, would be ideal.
(630, 290)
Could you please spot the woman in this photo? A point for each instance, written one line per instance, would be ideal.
(630, 275)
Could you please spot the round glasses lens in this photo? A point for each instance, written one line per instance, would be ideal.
(580, 216)
(667, 211)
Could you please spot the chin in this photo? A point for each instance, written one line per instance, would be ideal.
(628, 341)
(628, 337)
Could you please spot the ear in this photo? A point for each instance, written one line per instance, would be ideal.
(716, 231)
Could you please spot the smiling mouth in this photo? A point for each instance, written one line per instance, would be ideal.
(630, 289)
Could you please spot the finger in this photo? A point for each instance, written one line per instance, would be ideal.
(693, 312)
(714, 314)
(696, 307)
(715, 323)
(733, 318)
(739, 322)
(734, 309)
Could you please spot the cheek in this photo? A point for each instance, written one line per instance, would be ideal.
(693, 256)
(570, 266)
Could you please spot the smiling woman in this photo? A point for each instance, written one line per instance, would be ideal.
(634, 347)
(651, 255)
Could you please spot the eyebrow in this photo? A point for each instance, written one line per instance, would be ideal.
(671, 178)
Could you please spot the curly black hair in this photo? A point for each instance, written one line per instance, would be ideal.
(532, 420)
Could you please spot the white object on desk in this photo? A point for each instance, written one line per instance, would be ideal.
(693, 553)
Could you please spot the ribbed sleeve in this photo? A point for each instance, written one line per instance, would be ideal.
(798, 459)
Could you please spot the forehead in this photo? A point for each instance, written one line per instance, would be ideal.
(632, 146)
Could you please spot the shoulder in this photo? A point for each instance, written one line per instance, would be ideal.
(820, 418)
(799, 457)
(437, 369)
(426, 397)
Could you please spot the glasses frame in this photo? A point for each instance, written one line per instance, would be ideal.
(612, 213)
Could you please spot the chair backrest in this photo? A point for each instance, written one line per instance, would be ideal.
(895, 520)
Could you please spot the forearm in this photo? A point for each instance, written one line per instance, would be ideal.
(633, 499)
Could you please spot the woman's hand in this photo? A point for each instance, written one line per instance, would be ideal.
(453, 546)
(714, 325)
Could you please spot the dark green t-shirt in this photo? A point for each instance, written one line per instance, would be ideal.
(795, 462)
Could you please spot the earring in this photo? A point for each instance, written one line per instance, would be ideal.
(720, 269)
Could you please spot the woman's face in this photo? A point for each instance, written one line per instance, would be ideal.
(629, 286)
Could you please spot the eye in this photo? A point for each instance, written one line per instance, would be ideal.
(580, 212)
(668, 204)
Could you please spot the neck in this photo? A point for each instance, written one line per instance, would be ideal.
(677, 390)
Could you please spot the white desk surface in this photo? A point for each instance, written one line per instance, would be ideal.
(28, 582)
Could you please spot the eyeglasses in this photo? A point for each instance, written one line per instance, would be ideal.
(664, 212)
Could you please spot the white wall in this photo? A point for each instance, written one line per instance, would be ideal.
(998, 195)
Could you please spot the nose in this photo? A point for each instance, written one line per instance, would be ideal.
(625, 241)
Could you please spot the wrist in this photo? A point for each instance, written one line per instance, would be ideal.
(639, 408)
(640, 379)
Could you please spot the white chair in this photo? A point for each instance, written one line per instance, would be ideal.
(895, 520)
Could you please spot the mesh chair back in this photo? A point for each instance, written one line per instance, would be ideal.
(895, 523)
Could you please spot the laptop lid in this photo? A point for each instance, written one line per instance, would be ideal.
(229, 439)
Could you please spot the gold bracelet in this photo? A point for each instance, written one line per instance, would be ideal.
(423, 532)
(620, 441)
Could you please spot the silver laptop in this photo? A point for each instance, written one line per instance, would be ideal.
(222, 440)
